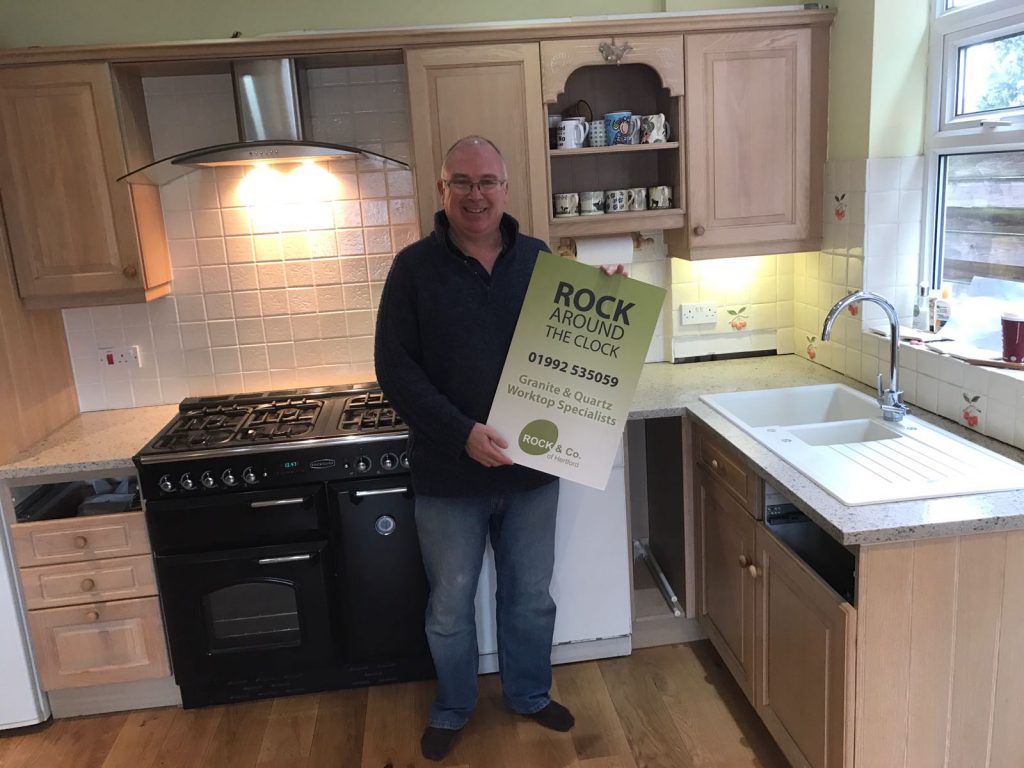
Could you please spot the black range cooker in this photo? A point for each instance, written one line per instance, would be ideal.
(284, 543)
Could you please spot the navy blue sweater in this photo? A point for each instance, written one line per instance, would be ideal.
(443, 330)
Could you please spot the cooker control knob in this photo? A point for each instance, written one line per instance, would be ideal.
(229, 478)
(389, 461)
(404, 460)
(207, 480)
(166, 484)
(363, 464)
(249, 476)
(187, 482)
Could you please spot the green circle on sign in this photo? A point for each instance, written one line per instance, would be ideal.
(538, 437)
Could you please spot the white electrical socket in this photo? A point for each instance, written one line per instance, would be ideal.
(120, 356)
(698, 314)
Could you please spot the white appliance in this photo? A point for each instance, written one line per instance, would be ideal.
(22, 701)
(590, 584)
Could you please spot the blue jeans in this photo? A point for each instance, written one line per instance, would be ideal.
(453, 536)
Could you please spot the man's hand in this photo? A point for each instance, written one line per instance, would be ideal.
(614, 269)
(484, 446)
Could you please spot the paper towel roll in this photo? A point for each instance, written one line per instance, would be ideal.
(614, 249)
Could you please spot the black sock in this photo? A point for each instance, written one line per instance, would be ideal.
(437, 742)
(554, 716)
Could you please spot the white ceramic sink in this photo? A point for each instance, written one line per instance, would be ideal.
(837, 437)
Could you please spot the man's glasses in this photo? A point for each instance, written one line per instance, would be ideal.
(465, 186)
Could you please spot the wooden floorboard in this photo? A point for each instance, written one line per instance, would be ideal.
(666, 707)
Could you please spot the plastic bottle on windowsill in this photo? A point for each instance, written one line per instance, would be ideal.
(943, 308)
(920, 322)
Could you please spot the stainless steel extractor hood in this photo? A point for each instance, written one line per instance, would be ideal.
(268, 105)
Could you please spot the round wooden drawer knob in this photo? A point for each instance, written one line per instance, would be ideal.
(80, 542)
(714, 463)
(744, 562)
(753, 569)
(698, 230)
(130, 271)
(88, 585)
(92, 615)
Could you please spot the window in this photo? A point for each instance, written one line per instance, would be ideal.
(975, 145)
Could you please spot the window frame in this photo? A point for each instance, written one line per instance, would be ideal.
(949, 134)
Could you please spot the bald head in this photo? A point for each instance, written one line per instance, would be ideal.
(471, 144)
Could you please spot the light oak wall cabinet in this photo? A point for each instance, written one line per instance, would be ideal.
(77, 235)
(487, 90)
(756, 112)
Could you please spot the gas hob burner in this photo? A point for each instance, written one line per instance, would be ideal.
(367, 413)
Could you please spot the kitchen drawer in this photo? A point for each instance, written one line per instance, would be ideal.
(99, 643)
(93, 581)
(725, 467)
(75, 539)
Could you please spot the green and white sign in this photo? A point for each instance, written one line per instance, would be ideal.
(573, 366)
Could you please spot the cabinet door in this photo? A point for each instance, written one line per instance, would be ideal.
(725, 587)
(492, 91)
(804, 659)
(100, 643)
(754, 152)
(74, 230)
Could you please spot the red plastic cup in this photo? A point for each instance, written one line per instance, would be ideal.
(1013, 336)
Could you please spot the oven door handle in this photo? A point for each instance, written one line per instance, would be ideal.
(379, 492)
(285, 559)
(276, 503)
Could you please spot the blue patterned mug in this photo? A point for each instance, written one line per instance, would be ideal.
(621, 127)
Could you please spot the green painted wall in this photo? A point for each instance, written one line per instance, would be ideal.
(76, 22)
(899, 79)
(849, 85)
(66, 22)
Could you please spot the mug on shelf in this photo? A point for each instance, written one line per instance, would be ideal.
(598, 134)
(659, 197)
(621, 127)
(615, 201)
(591, 203)
(654, 129)
(572, 131)
(636, 198)
(566, 204)
(553, 122)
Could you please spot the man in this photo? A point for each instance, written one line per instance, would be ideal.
(446, 319)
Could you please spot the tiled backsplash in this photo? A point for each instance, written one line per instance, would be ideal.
(285, 296)
(872, 240)
(755, 304)
(263, 295)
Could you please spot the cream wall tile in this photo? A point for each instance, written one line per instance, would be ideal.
(247, 304)
(250, 330)
(215, 279)
(306, 327)
(219, 306)
(222, 333)
(254, 358)
(243, 277)
(278, 328)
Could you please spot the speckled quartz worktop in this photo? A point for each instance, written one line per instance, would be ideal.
(90, 443)
(93, 443)
(665, 390)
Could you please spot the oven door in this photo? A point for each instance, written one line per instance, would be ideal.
(240, 615)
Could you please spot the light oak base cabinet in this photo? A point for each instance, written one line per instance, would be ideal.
(803, 658)
(99, 643)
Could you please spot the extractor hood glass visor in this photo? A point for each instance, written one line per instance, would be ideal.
(170, 168)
